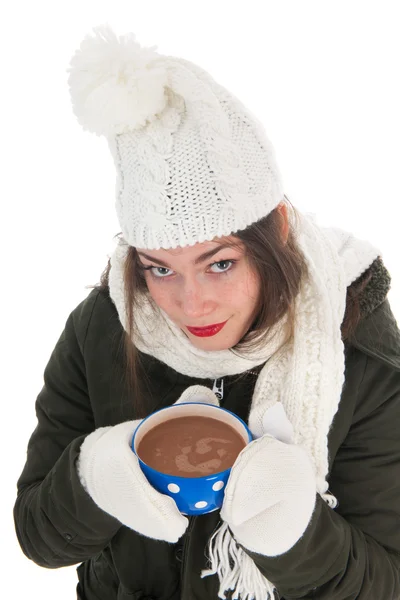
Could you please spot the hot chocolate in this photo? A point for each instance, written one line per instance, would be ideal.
(191, 446)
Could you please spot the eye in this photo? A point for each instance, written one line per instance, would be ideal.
(158, 272)
(223, 266)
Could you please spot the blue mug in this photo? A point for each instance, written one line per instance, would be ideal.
(193, 495)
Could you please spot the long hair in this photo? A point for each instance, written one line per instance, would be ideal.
(280, 266)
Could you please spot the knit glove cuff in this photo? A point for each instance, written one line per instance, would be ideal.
(270, 496)
(110, 473)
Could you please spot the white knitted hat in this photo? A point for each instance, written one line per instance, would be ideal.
(192, 162)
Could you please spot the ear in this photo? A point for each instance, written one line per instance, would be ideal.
(282, 209)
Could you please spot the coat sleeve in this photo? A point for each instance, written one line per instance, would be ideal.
(56, 521)
(353, 551)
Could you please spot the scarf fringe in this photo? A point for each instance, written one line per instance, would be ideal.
(235, 569)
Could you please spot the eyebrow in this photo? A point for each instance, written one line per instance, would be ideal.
(198, 260)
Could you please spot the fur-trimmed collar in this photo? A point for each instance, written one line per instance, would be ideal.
(377, 288)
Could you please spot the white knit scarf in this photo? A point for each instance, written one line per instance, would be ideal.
(305, 375)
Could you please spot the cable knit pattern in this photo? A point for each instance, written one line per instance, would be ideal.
(197, 172)
(306, 375)
(192, 162)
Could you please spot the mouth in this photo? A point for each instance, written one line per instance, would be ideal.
(206, 331)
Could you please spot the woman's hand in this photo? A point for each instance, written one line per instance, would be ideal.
(270, 496)
(111, 474)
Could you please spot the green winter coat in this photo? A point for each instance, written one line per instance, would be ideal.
(350, 552)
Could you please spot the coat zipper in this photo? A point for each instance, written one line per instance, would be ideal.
(218, 388)
(218, 385)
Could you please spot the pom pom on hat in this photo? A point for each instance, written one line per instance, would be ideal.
(115, 84)
(192, 162)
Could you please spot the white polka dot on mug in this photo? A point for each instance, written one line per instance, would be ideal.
(218, 485)
(172, 487)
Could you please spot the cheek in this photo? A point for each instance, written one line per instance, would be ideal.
(253, 287)
(245, 292)
(161, 296)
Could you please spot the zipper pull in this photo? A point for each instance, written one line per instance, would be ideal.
(218, 388)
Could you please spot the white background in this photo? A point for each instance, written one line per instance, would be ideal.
(323, 78)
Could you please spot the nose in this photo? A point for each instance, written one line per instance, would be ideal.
(194, 301)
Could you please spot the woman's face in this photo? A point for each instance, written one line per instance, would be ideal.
(202, 285)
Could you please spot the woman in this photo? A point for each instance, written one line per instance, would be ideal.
(217, 284)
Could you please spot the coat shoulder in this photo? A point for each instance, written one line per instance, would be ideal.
(97, 306)
(377, 333)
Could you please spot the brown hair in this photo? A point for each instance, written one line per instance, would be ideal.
(280, 267)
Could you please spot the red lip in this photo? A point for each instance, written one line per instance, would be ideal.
(206, 331)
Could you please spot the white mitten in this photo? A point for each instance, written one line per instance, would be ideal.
(198, 393)
(110, 473)
(270, 496)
